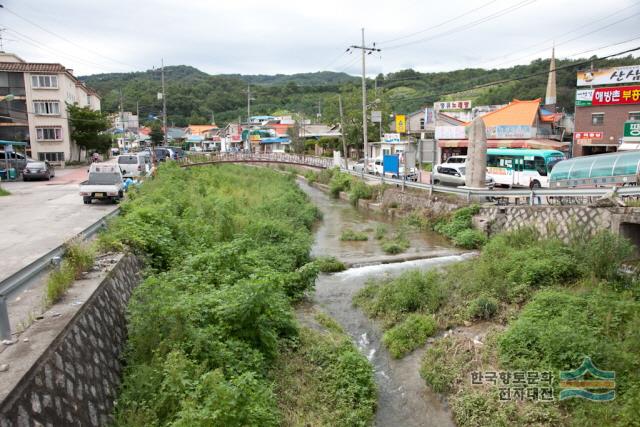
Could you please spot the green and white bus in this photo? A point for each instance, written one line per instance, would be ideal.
(520, 167)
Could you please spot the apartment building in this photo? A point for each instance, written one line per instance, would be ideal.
(33, 107)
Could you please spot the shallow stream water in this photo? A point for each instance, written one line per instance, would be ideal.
(403, 398)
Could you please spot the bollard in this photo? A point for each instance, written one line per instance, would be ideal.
(5, 326)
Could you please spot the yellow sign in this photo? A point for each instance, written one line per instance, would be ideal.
(401, 123)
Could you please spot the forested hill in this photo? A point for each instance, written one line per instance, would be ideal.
(193, 96)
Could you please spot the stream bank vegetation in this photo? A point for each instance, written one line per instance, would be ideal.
(546, 305)
(78, 258)
(212, 331)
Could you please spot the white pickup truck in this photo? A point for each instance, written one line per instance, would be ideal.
(104, 183)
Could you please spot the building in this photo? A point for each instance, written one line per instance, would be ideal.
(605, 100)
(34, 110)
(520, 124)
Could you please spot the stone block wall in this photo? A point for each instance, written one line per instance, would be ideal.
(76, 380)
(558, 220)
(408, 199)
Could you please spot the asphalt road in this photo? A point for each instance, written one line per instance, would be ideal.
(41, 215)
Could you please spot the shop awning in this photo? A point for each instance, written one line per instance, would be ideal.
(14, 143)
(629, 146)
(547, 144)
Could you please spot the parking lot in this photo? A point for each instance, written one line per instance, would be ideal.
(41, 215)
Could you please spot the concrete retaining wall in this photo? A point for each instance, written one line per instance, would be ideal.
(75, 380)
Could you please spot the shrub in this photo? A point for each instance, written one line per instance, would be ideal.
(459, 221)
(600, 256)
(470, 239)
(4, 192)
(483, 307)
(311, 176)
(352, 235)
(392, 300)
(330, 264)
(396, 246)
(409, 335)
(339, 182)
(359, 190)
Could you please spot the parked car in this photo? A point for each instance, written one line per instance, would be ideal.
(104, 183)
(377, 168)
(453, 174)
(133, 165)
(16, 160)
(195, 149)
(164, 153)
(37, 170)
(178, 152)
(357, 166)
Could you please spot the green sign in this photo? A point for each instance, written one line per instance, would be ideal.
(631, 130)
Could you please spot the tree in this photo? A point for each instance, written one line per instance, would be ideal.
(87, 129)
(156, 134)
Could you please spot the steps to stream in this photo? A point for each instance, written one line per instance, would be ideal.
(403, 397)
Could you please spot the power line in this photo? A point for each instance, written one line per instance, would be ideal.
(438, 25)
(35, 24)
(513, 79)
(39, 45)
(557, 36)
(573, 39)
(469, 25)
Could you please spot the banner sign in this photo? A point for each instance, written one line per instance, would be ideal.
(401, 123)
(391, 163)
(429, 116)
(608, 96)
(391, 138)
(631, 131)
(452, 105)
(588, 135)
(607, 76)
(450, 132)
(510, 132)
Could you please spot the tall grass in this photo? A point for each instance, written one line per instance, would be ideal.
(79, 257)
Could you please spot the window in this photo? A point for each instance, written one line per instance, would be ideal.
(634, 115)
(422, 124)
(597, 119)
(48, 108)
(44, 82)
(49, 134)
(51, 157)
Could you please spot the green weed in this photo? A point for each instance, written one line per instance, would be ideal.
(409, 335)
(352, 235)
(329, 264)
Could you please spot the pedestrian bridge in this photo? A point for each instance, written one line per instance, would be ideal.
(197, 159)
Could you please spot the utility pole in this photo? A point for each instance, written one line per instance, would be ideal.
(319, 116)
(248, 141)
(164, 104)
(365, 51)
(122, 120)
(344, 141)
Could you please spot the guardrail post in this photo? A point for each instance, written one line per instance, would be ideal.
(5, 326)
(468, 196)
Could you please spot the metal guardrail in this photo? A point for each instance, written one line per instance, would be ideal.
(578, 194)
(194, 159)
(23, 276)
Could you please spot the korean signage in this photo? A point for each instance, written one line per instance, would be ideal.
(452, 105)
(607, 76)
(510, 132)
(401, 123)
(376, 116)
(391, 138)
(450, 132)
(608, 96)
(588, 135)
(631, 132)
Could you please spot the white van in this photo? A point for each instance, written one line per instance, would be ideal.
(133, 165)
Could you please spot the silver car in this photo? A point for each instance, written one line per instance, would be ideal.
(453, 174)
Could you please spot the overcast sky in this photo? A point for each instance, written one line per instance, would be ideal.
(286, 36)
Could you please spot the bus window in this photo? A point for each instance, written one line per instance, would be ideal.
(552, 161)
(492, 161)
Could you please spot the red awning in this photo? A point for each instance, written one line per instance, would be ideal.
(547, 144)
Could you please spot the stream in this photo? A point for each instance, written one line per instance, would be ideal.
(403, 397)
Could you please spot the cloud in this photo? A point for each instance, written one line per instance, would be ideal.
(257, 37)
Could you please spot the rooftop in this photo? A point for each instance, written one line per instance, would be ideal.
(516, 113)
